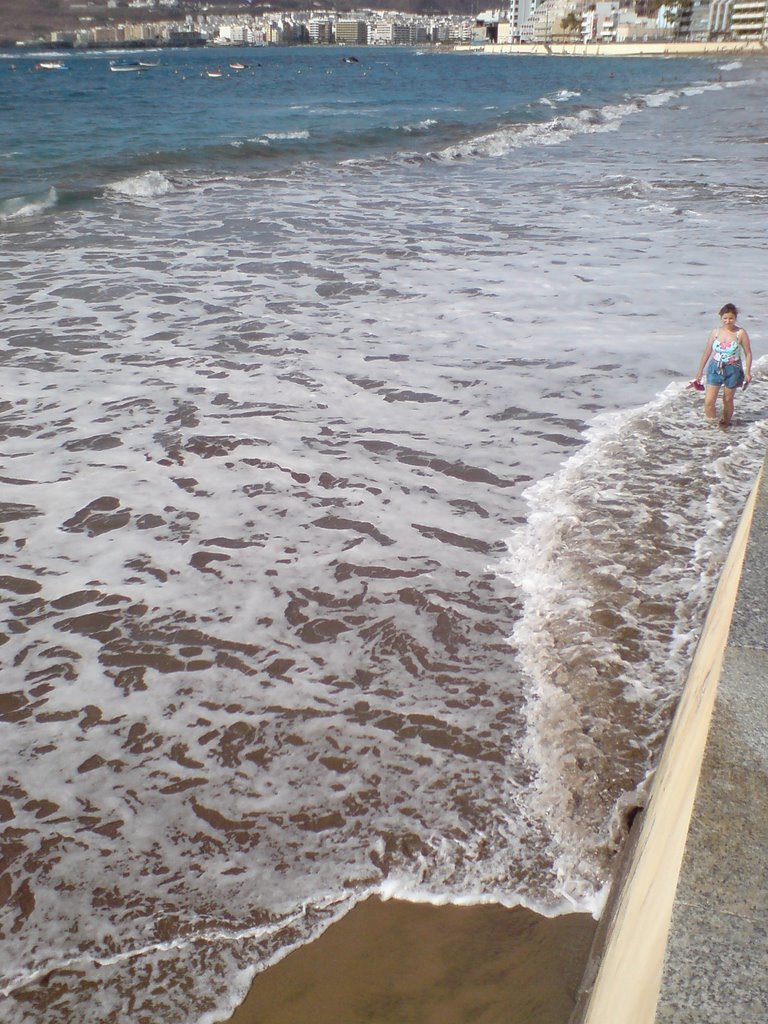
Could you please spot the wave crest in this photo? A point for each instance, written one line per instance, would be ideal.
(28, 206)
(142, 186)
(284, 136)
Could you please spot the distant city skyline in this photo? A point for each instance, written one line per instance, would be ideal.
(84, 24)
(29, 19)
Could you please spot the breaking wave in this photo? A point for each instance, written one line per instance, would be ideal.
(28, 206)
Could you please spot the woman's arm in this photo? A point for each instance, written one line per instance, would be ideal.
(747, 350)
(706, 355)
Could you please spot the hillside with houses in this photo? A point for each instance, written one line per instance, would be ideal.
(137, 23)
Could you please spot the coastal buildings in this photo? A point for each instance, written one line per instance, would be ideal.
(519, 11)
(503, 25)
(352, 32)
(320, 30)
(546, 21)
(719, 20)
(599, 21)
(749, 19)
(315, 27)
(616, 22)
(539, 21)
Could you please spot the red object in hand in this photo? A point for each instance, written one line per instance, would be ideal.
(696, 385)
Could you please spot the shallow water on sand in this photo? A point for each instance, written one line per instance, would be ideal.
(357, 527)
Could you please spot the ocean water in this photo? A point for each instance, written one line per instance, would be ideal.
(357, 526)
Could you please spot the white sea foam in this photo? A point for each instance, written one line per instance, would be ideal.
(259, 474)
(280, 136)
(405, 888)
(591, 637)
(37, 54)
(561, 128)
(148, 185)
(548, 133)
(418, 126)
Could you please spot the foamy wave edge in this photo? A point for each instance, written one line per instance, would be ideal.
(148, 185)
(403, 888)
(297, 136)
(332, 907)
(28, 206)
(563, 127)
(539, 577)
(393, 888)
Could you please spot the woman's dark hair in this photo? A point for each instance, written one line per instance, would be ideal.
(728, 308)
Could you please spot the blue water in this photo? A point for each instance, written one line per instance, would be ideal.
(357, 525)
(84, 126)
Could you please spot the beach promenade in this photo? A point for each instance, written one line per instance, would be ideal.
(684, 937)
(669, 48)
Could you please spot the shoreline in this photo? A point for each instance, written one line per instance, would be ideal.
(664, 949)
(394, 962)
(724, 48)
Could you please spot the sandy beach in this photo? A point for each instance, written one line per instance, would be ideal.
(652, 48)
(402, 963)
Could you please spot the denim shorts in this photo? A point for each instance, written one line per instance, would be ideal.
(730, 374)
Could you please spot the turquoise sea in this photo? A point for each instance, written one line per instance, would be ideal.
(357, 525)
(83, 129)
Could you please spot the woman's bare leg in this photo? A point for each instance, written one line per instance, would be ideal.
(710, 398)
(727, 416)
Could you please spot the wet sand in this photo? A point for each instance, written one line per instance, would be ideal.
(403, 963)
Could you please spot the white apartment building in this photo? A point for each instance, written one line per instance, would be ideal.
(632, 28)
(320, 30)
(719, 21)
(609, 23)
(749, 19)
(235, 34)
(543, 25)
(698, 27)
(511, 22)
(460, 30)
(600, 22)
(381, 33)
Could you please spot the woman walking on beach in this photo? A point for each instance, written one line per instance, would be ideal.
(727, 349)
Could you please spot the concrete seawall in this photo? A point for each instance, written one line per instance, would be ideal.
(684, 938)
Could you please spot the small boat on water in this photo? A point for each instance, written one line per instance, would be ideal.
(51, 65)
(214, 73)
(116, 65)
(149, 64)
(238, 65)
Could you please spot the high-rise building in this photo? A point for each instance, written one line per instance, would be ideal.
(749, 19)
(320, 30)
(544, 24)
(720, 12)
(354, 33)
